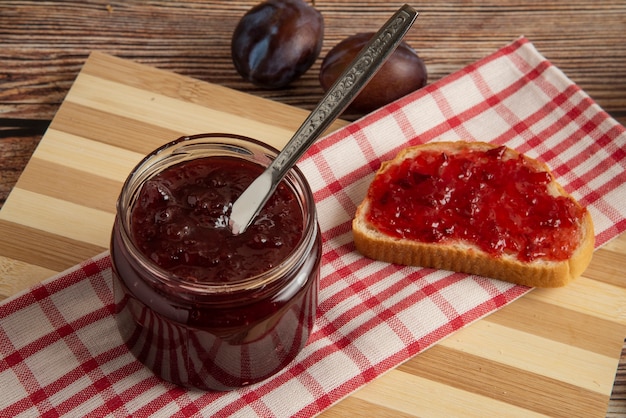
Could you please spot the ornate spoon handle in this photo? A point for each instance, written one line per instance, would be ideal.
(347, 87)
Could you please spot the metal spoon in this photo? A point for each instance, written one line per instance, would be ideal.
(338, 97)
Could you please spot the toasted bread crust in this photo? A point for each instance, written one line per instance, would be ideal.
(466, 258)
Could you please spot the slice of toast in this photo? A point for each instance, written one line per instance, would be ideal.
(553, 251)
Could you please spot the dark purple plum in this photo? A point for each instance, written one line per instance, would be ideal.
(403, 73)
(277, 41)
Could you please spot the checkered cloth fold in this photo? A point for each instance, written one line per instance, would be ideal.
(61, 353)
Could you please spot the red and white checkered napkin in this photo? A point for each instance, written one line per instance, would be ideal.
(62, 355)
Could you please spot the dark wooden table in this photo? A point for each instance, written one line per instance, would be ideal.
(44, 44)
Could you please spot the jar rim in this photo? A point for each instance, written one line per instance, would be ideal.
(190, 147)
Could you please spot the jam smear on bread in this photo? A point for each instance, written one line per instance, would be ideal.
(480, 200)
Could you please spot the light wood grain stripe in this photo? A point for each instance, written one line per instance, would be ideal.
(59, 217)
(88, 156)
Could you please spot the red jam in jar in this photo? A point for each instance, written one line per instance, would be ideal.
(199, 306)
(182, 212)
(486, 198)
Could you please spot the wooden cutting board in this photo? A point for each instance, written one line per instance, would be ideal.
(552, 352)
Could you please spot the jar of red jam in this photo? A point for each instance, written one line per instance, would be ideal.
(197, 305)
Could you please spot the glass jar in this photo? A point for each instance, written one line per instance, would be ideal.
(214, 335)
